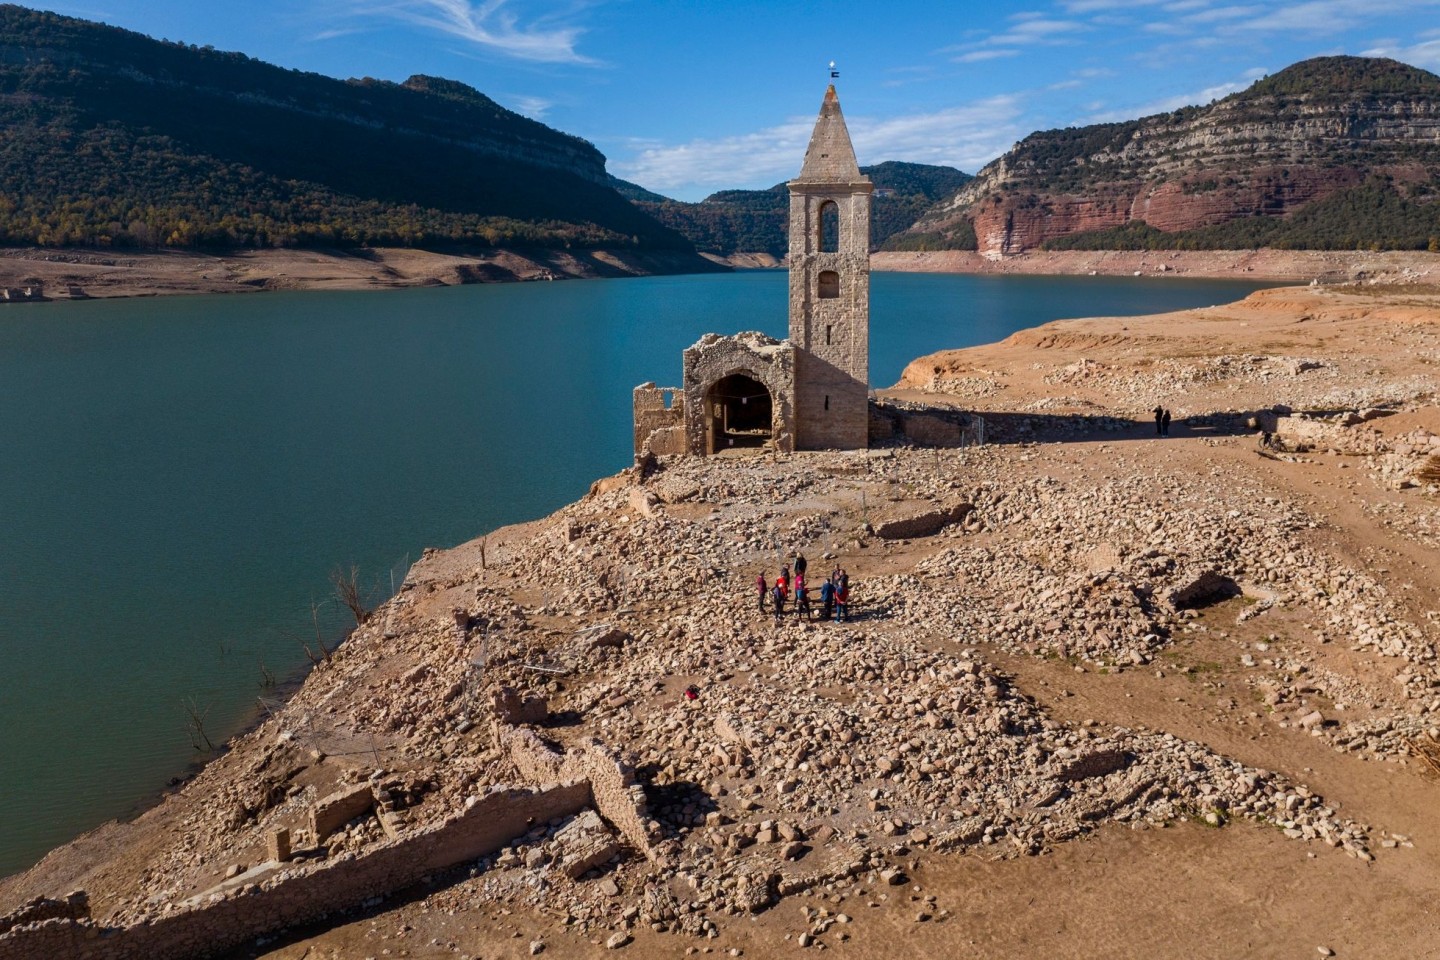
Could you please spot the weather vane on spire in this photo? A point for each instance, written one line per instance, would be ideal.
(834, 74)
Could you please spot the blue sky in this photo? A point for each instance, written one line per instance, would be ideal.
(688, 98)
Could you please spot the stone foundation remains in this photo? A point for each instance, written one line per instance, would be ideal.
(287, 895)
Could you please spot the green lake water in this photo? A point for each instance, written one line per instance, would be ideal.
(178, 476)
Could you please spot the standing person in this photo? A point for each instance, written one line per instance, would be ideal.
(779, 597)
(842, 601)
(800, 565)
(783, 581)
(802, 598)
(1159, 412)
(827, 600)
(1165, 424)
(763, 586)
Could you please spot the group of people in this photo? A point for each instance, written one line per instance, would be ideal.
(1162, 422)
(834, 593)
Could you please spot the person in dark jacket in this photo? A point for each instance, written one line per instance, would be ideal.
(827, 600)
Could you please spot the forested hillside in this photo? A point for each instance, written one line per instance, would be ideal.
(111, 138)
(755, 221)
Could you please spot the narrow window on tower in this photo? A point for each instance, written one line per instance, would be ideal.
(827, 334)
(829, 282)
(827, 401)
(829, 227)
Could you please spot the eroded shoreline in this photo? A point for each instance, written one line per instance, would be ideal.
(1026, 689)
(93, 274)
(63, 274)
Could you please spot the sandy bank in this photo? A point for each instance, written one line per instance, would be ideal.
(1297, 265)
(81, 274)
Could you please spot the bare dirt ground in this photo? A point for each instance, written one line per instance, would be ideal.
(77, 274)
(1273, 728)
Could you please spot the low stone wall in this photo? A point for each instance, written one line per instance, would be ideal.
(616, 795)
(302, 895)
(339, 809)
(892, 420)
(921, 523)
(659, 421)
(74, 907)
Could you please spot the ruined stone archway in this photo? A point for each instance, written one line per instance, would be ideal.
(740, 414)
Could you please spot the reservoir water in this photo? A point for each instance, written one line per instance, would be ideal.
(179, 476)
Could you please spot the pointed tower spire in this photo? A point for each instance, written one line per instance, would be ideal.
(830, 157)
(830, 289)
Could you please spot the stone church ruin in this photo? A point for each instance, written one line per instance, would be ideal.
(810, 391)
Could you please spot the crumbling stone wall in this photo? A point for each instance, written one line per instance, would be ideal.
(76, 906)
(301, 894)
(659, 421)
(927, 426)
(340, 808)
(613, 789)
(766, 360)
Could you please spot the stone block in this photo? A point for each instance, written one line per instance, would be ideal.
(1100, 763)
(1195, 586)
(601, 635)
(583, 844)
(338, 809)
(278, 846)
(509, 707)
(924, 522)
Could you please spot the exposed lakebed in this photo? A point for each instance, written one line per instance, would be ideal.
(181, 474)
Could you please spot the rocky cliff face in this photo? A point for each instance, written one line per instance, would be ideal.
(1305, 134)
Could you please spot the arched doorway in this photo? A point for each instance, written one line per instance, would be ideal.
(740, 412)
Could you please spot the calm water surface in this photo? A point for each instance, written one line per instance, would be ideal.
(178, 476)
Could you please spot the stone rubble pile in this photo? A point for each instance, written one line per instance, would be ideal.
(819, 754)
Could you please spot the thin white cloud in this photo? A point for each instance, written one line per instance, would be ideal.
(966, 137)
(489, 24)
(1326, 16)
(977, 56)
(1425, 54)
(533, 107)
(1108, 6)
(1026, 30)
(1168, 104)
(1220, 14)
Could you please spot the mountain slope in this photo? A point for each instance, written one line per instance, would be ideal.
(755, 221)
(110, 137)
(1354, 142)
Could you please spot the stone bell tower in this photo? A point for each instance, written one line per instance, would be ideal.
(830, 289)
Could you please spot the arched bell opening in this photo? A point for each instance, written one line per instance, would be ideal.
(828, 240)
(741, 414)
